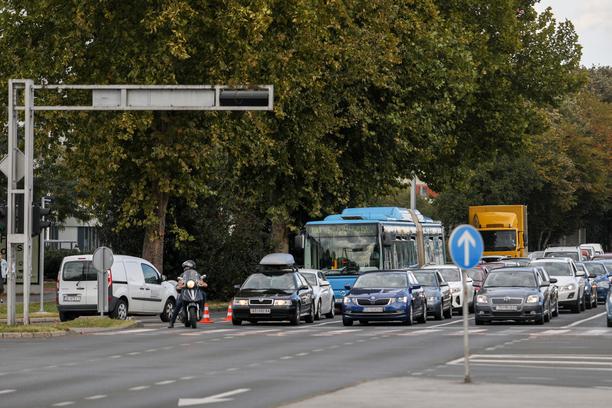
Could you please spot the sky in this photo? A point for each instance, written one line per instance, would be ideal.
(592, 21)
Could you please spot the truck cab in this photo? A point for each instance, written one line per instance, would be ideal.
(503, 229)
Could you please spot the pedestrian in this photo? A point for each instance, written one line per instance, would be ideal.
(4, 267)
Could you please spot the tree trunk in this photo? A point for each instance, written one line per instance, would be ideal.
(153, 245)
(280, 238)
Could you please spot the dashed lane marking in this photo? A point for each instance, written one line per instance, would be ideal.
(165, 382)
(140, 388)
(63, 404)
(95, 397)
(7, 391)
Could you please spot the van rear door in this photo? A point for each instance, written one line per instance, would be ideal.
(78, 284)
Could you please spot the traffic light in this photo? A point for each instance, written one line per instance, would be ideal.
(39, 219)
(3, 219)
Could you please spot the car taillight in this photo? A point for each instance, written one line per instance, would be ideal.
(110, 278)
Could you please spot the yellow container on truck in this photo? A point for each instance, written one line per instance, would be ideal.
(503, 228)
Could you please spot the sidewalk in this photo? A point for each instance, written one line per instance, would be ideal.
(433, 393)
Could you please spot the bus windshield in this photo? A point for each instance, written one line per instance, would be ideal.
(502, 240)
(342, 249)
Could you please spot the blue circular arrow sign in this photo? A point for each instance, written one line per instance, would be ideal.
(466, 246)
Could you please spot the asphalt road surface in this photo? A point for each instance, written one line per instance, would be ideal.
(269, 365)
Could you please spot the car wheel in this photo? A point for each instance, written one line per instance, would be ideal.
(540, 319)
(548, 314)
(588, 302)
(318, 313)
(556, 310)
(576, 307)
(582, 303)
(332, 310)
(236, 322)
(121, 310)
(594, 301)
(478, 321)
(66, 316)
(311, 316)
(439, 315)
(166, 313)
(347, 322)
(449, 312)
(408, 321)
(295, 320)
(423, 318)
(609, 323)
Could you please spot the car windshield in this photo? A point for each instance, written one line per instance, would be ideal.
(572, 255)
(595, 269)
(475, 274)
(451, 275)
(426, 278)
(311, 278)
(382, 280)
(264, 281)
(556, 268)
(510, 279)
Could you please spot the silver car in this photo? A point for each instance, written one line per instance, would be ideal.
(323, 293)
(570, 281)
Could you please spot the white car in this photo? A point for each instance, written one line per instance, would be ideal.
(323, 293)
(570, 281)
(452, 274)
(565, 252)
(134, 287)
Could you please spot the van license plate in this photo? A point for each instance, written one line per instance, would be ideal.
(72, 298)
(373, 309)
(260, 311)
(507, 308)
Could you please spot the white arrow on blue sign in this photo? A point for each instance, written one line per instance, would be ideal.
(466, 246)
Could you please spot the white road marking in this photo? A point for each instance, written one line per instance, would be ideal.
(189, 377)
(252, 332)
(132, 331)
(552, 332)
(63, 404)
(317, 350)
(286, 357)
(594, 332)
(458, 320)
(232, 369)
(7, 391)
(134, 353)
(536, 378)
(335, 332)
(419, 332)
(115, 356)
(1, 374)
(150, 350)
(95, 397)
(165, 382)
(301, 354)
(584, 320)
(224, 397)
(139, 388)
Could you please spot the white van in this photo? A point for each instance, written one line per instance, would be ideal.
(135, 288)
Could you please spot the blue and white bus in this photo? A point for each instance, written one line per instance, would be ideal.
(361, 239)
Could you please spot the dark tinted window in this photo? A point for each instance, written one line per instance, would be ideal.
(595, 269)
(426, 278)
(150, 275)
(382, 280)
(79, 271)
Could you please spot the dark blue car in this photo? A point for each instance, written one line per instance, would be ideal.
(385, 296)
(437, 291)
(602, 278)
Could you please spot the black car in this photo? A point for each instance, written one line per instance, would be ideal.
(517, 294)
(437, 291)
(275, 292)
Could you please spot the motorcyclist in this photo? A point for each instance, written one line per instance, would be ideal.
(188, 267)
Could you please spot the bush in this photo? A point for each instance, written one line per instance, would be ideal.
(53, 261)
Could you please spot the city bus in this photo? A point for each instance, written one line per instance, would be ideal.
(362, 239)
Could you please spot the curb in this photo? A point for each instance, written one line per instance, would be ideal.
(75, 330)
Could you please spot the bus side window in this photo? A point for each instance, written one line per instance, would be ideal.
(412, 252)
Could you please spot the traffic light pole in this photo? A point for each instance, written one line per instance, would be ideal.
(41, 262)
(103, 98)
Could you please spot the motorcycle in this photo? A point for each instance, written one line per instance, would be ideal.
(191, 295)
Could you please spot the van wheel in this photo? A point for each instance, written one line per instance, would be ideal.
(121, 310)
(166, 313)
(66, 316)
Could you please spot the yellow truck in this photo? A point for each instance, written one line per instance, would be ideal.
(503, 228)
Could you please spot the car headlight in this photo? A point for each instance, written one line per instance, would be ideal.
(533, 299)
(190, 284)
(482, 299)
(241, 302)
(603, 284)
(456, 290)
(401, 299)
(569, 287)
(347, 300)
(282, 302)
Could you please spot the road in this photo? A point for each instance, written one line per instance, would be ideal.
(274, 364)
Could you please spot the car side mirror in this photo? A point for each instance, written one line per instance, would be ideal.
(324, 283)
(416, 287)
(444, 284)
(553, 280)
(347, 287)
(304, 287)
(469, 280)
(592, 275)
(163, 278)
(236, 286)
(580, 274)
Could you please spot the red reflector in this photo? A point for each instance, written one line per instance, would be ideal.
(110, 278)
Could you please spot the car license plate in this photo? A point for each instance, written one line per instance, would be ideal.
(260, 311)
(507, 307)
(373, 309)
(72, 298)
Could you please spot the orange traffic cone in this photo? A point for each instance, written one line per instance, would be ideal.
(206, 319)
(228, 318)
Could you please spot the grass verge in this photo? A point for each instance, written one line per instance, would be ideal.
(80, 323)
(48, 307)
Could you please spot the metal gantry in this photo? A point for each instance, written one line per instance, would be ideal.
(18, 165)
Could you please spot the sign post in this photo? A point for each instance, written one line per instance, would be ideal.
(466, 248)
(102, 262)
